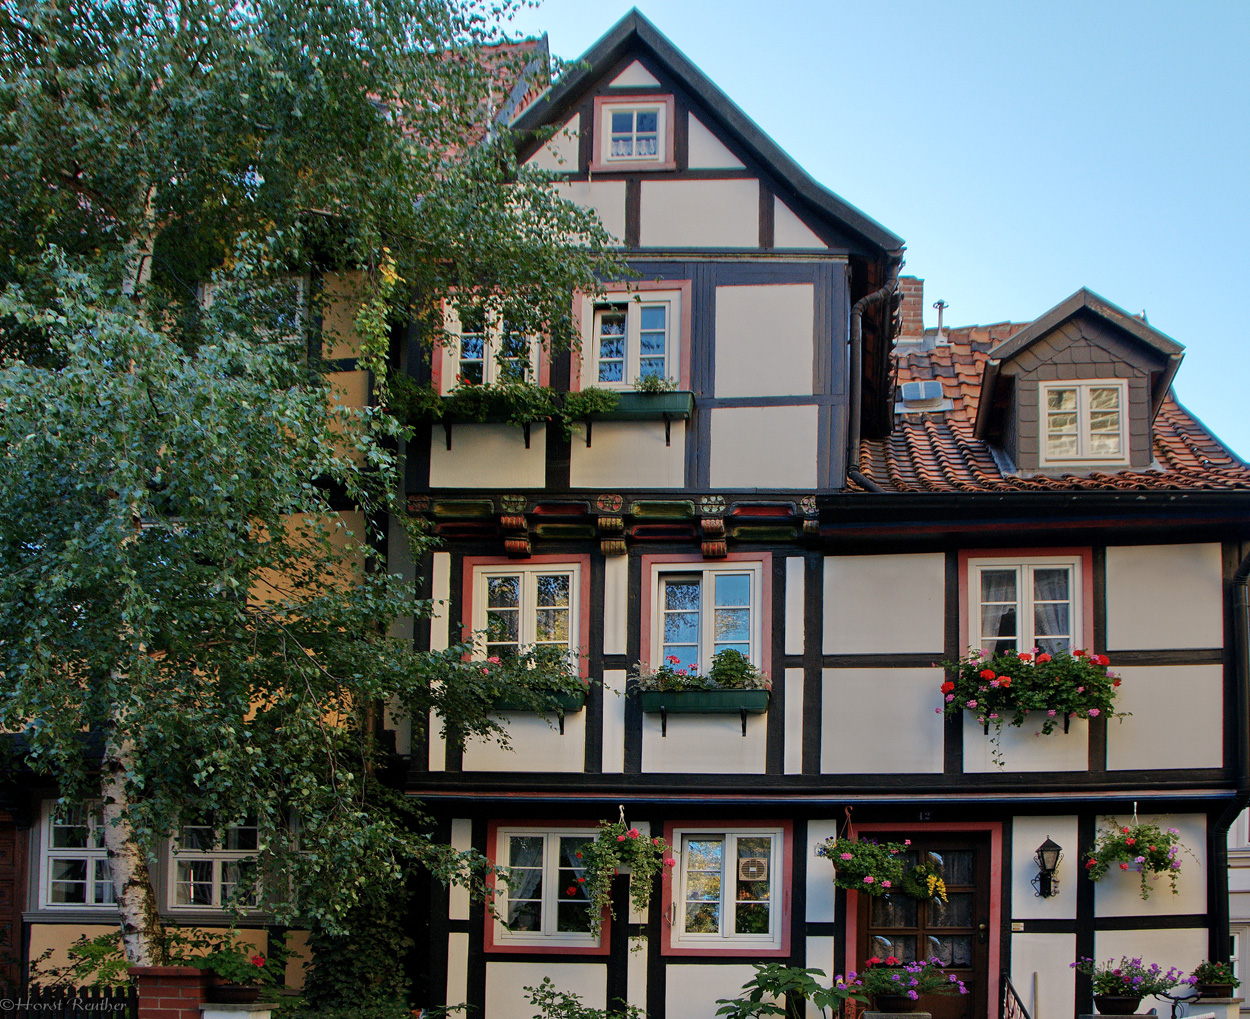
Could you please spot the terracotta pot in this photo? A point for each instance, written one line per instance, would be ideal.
(232, 994)
(1115, 1004)
(894, 1003)
(1215, 990)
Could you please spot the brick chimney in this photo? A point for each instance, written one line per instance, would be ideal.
(912, 290)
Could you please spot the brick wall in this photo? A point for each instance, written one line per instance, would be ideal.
(169, 992)
(912, 290)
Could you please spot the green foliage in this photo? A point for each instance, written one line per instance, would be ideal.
(1149, 848)
(778, 990)
(585, 403)
(1214, 973)
(616, 846)
(731, 670)
(654, 383)
(924, 882)
(1129, 978)
(893, 976)
(551, 1003)
(516, 403)
(876, 868)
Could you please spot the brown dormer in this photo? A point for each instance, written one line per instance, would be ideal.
(1077, 391)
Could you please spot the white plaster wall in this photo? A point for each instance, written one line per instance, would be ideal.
(505, 983)
(615, 604)
(764, 340)
(440, 623)
(1164, 596)
(1050, 957)
(700, 214)
(704, 151)
(606, 197)
(764, 447)
(1177, 717)
(820, 956)
(1027, 833)
(795, 579)
(704, 744)
(794, 722)
(884, 603)
(1119, 891)
(629, 454)
(458, 895)
(636, 981)
(613, 720)
(820, 890)
(537, 745)
(881, 720)
(458, 967)
(560, 152)
(634, 76)
(692, 990)
(488, 456)
(1181, 948)
(1024, 750)
(791, 232)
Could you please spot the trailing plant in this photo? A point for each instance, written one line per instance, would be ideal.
(1001, 689)
(1150, 847)
(654, 383)
(1128, 978)
(582, 404)
(876, 868)
(515, 403)
(893, 976)
(923, 882)
(556, 1004)
(1214, 973)
(616, 846)
(731, 670)
(788, 989)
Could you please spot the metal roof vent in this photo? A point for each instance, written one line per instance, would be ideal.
(914, 397)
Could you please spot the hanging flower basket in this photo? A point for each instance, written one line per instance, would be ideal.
(622, 849)
(1148, 848)
(1003, 689)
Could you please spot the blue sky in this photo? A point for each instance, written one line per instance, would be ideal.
(1023, 150)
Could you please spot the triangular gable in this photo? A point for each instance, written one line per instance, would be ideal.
(706, 151)
(633, 34)
(634, 76)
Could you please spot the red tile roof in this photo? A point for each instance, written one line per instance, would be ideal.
(936, 451)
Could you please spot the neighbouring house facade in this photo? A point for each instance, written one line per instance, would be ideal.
(848, 499)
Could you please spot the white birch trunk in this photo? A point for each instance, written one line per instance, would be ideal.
(132, 881)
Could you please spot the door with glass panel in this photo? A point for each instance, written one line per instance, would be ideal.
(956, 932)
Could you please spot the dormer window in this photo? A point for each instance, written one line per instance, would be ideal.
(1083, 421)
(633, 133)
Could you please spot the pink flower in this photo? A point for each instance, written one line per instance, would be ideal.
(670, 862)
(1094, 712)
(972, 704)
(495, 660)
(994, 683)
(847, 856)
(1080, 689)
(620, 838)
(1051, 713)
(655, 842)
(907, 842)
(885, 884)
(634, 833)
(681, 672)
(950, 697)
(1100, 659)
(869, 879)
(258, 961)
(694, 667)
(672, 659)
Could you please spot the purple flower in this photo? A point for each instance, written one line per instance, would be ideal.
(1094, 712)
(972, 704)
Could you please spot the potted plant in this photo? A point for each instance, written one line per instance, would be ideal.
(1120, 986)
(862, 865)
(1214, 979)
(1002, 689)
(620, 848)
(1148, 848)
(774, 985)
(733, 684)
(897, 986)
(543, 678)
(237, 971)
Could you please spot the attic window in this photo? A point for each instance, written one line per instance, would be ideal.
(923, 395)
(633, 133)
(1083, 421)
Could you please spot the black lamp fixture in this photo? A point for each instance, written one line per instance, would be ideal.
(1048, 855)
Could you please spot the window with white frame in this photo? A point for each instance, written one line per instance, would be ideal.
(634, 132)
(727, 892)
(74, 865)
(636, 338)
(1083, 420)
(1020, 605)
(542, 899)
(212, 868)
(700, 612)
(524, 606)
(485, 352)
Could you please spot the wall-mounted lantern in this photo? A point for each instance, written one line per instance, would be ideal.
(1049, 854)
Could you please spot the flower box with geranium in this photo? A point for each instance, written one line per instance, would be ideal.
(897, 986)
(617, 849)
(1214, 979)
(1002, 689)
(1123, 984)
(1149, 848)
(732, 685)
(881, 868)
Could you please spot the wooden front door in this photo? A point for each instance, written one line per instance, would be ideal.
(955, 932)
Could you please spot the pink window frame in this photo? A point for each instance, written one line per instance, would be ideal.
(441, 352)
(669, 907)
(599, 165)
(580, 302)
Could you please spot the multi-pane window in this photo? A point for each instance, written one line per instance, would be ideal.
(706, 612)
(485, 352)
(75, 864)
(213, 868)
(1028, 604)
(727, 890)
(635, 340)
(635, 133)
(1082, 421)
(543, 897)
(523, 607)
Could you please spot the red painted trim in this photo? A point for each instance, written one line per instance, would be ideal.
(995, 829)
(575, 355)
(766, 596)
(470, 565)
(492, 854)
(786, 890)
(1017, 555)
(597, 164)
(684, 287)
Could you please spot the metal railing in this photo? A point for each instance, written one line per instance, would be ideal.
(1013, 1007)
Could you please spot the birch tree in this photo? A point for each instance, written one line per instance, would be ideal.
(193, 611)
